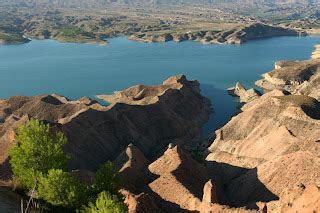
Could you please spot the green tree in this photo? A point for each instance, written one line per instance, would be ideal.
(38, 150)
(106, 203)
(59, 188)
(107, 179)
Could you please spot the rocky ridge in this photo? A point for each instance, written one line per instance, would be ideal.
(274, 136)
(265, 159)
(233, 36)
(269, 152)
(151, 120)
(175, 182)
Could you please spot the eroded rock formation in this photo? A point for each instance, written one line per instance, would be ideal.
(180, 179)
(265, 159)
(271, 146)
(148, 117)
(175, 183)
(245, 95)
(297, 77)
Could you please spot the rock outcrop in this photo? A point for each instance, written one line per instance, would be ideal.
(245, 95)
(141, 203)
(177, 183)
(271, 146)
(267, 156)
(209, 193)
(237, 35)
(131, 165)
(148, 117)
(181, 179)
(297, 77)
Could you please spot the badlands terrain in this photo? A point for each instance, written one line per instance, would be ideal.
(265, 159)
(231, 22)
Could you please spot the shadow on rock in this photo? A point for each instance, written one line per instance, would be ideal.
(234, 182)
(5, 170)
(166, 206)
(191, 174)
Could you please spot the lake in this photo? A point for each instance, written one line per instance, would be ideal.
(77, 70)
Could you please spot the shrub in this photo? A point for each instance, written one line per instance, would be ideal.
(107, 179)
(59, 188)
(37, 151)
(106, 203)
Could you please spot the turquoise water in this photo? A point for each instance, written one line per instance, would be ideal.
(76, 70)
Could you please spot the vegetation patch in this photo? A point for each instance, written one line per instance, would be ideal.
(39, 164)
(76, 34)
(7, 38)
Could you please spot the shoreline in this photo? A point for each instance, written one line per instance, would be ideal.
(233, 36)
(107, 42)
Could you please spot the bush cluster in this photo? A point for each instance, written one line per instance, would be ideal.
(40, 165)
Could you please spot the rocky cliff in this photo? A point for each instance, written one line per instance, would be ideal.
(148, 117)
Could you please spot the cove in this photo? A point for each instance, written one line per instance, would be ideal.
(77, 70)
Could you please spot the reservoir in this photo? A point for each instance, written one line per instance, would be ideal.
(77, 70)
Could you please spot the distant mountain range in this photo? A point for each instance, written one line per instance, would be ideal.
(99, 3)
